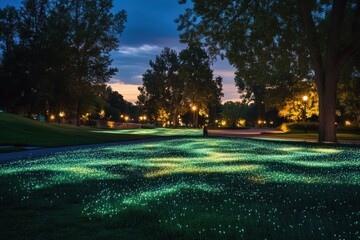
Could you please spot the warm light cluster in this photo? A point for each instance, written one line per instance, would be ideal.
(142, 118)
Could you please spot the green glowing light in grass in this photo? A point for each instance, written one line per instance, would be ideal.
(195, 178)
(156, 132)
(191, 156)
(144, 197)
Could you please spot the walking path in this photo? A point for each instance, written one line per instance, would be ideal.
(243, 133)
(258, 133)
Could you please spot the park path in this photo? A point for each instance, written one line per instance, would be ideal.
(243, 133)
(258, 133)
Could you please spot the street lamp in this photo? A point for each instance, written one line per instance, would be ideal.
(305, 98)
(193, 108)
(61, 115)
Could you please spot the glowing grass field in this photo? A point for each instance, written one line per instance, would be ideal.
(193, 188)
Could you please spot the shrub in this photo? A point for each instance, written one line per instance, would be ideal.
(311, 126)
(348, 129)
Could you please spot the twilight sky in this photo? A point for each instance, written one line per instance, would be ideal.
(149, 28)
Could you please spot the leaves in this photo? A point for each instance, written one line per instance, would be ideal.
(175, 82)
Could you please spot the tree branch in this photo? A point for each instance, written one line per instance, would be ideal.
(311, 35)
(353, 47)
(334, 33)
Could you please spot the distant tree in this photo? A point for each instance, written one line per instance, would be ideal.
(10, 89)
(237, 114)
(93, 36)
(162, 91)
(215, 100)
(200, 88)
(329, 30)
(348, 92)
(9, 23)
(115, 105)
(293, 108)
(175, 83)
(232, 112)
(61, 56)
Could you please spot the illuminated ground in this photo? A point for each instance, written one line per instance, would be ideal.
(194, 188)
(156, 131)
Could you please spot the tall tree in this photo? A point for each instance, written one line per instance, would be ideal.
(62, 53)
(200, 89)
(162, 90)
(93, 36)
(175, 83)
(116, 105)
(9, 83)
(329, 29)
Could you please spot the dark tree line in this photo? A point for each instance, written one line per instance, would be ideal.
(274, 44)
(178, 83)
(55, 55)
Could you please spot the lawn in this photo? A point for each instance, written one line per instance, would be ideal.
(20, 131)
(190, 188)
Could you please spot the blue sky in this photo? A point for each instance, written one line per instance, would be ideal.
(150, 27)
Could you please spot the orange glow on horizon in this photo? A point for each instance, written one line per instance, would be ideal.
(129, 91)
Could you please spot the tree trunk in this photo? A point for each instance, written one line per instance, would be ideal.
(78, 113)
(330, 107)
(175, 120)
(322, 114)
(327, 106)
(328, 68)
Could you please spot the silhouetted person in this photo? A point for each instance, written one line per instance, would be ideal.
(205, 131)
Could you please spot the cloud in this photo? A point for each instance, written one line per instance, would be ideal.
(140, 50)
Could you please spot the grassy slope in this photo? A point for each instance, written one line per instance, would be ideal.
(20, 131)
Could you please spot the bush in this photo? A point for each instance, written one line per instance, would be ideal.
(348, 129)
(310, 126)
(314, 126)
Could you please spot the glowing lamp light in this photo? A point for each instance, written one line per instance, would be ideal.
(102, 113)
(347, 123)
(61, 114)
(52, 117)
(260, 122)
(194, 108)
(126, 118)
(111, 124)
(305, 98)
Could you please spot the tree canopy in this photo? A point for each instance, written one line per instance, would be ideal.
(176, 82)
(56, 54)
(269, 40)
